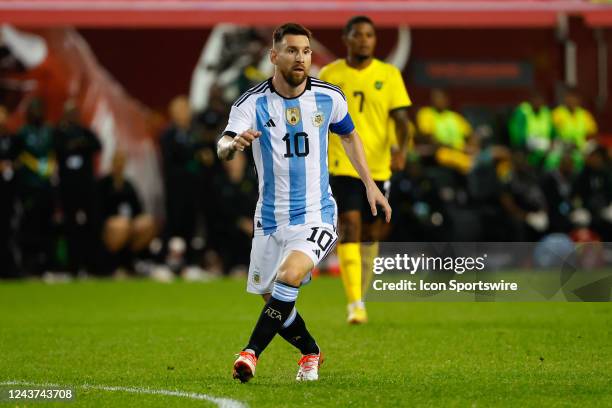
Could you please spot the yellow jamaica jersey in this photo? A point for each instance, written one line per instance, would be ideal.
(371, 94)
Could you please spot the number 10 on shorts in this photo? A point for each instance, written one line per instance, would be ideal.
(322, 237)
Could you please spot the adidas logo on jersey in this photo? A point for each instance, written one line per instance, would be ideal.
(317, 252)
(270, 124)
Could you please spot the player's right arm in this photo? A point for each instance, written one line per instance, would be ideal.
(228, 145)
(239, 133)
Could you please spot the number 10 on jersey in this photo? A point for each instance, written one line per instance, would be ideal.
(297, 144)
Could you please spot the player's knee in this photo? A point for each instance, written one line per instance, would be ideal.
(294, 268)
(371, 233)
(350, 232)
(290, 275)
(350, 227)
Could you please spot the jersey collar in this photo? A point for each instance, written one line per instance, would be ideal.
(272, 89)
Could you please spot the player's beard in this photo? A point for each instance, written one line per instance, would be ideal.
(294, 78)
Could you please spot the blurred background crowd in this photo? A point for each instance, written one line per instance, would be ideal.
(82, 193)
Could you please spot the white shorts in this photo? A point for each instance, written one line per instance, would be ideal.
(268, 251)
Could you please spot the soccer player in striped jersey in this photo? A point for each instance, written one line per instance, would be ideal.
(376, 97)
(285, 120)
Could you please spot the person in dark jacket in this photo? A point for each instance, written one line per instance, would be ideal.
(181, 148)
(36, 170)
(7, 203)
(593, 191)
(76, 147)
(232, 224)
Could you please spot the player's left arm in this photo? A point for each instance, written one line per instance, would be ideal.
(353, 147)
(399, 102)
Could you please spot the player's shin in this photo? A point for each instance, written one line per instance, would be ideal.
(350, 267)
(276, 311)
(369, 251)
(295, 332)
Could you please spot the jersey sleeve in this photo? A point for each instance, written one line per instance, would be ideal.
(239, 120)
(398, 95)
(340, 122)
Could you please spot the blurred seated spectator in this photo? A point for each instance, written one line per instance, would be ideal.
(36, 169)
(574, 127)
(418, 210)
(593, 191)
(531, 128)
(126, 230)
(484, 185)
(8, 268)
(76, 147)
(444, 126)
(507, 197)
(235, 199)
(557, 186)
(523, 199)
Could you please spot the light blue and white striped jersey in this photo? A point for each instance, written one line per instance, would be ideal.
(291, 153)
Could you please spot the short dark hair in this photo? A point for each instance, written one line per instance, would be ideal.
(356, 20)
(290, 29)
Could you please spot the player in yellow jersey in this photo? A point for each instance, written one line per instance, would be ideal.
(375, 94)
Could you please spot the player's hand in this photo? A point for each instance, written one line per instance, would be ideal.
(375, 197)
(398, 161)
(244, 140)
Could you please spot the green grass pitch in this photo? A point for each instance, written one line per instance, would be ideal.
(183, 337)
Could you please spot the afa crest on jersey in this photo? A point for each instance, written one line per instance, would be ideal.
(318, 118)
(293, 116)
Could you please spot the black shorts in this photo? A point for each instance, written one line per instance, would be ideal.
(350, 194)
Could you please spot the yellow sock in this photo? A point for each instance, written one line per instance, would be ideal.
(368, 253)
(350, 269)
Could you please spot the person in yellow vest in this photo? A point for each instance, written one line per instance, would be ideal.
(375, 93)
(531, 128)
(573, 124)
(444, 126)
(447, 132)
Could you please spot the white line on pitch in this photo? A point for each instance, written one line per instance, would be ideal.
(221, 402)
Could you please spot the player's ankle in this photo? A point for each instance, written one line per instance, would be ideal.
(310, 348)
(357, 304)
